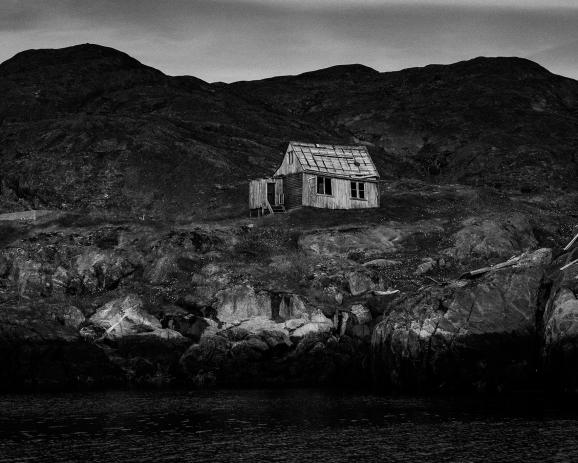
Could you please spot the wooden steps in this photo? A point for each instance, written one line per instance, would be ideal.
(279, 209)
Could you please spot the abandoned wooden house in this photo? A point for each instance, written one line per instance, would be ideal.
(315, 175)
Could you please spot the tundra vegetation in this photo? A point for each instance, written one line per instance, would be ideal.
(149, 272)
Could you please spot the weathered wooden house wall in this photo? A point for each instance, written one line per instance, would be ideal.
(290, 165)
(258, 192)
(341, 194)
(293, 189)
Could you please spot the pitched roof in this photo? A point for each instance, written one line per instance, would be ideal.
(334, 160)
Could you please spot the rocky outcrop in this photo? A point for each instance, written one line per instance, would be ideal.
(469, 335)
(101, 269)
(492, 238)
(238, 357)
(560, 324)
(41, 348)
(241, 303)
(124, 317)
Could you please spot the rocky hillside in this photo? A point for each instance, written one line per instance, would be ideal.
(306, 298)
(88, 127)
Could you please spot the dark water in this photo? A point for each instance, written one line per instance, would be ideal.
(273, 425)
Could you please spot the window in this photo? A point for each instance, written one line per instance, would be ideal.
(290, 157)
(324, 186)
(358, 190)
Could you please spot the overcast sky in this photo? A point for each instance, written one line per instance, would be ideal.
(233, 40)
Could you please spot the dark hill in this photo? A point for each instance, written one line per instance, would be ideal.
(91, 127)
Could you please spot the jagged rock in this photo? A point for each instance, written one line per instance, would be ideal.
(475, 335)
(162, 270)
(241, 303)
(99, 269)
(124, 317)
(292, 307)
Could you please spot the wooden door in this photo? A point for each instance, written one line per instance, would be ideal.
(271, 193)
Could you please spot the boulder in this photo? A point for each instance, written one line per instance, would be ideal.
(99, 269)
(560, 321)
(360, 315)
(240, 303)
(471, 335)
(124, 317)
(209, 355)
(319, 324)
(492, 238)
(256, 325)
(427, 265)
(292, 306)
(296, 323)
(275, 339)
(67, 315)
(359, 283)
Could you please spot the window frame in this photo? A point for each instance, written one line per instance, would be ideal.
(359, 189)
(325, 181)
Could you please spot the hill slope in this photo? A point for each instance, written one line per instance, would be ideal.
(88, 127)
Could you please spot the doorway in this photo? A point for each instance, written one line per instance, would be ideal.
(271, 193)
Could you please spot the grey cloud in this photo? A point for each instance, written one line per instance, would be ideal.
(247, 39)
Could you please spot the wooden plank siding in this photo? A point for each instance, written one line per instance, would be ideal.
(293, 189)
(341, 194)
(287, 167)
(258, 192)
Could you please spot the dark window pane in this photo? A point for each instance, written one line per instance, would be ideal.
(328, 186)
(320, 190)
(354, 189)
(362, 190)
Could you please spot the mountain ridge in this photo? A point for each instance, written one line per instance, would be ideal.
(89, 127)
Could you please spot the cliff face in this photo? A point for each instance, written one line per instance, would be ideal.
(88, 127)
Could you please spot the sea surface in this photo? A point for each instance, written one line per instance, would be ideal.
(283, 425)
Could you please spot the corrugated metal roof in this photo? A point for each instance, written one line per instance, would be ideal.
(336, 160)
